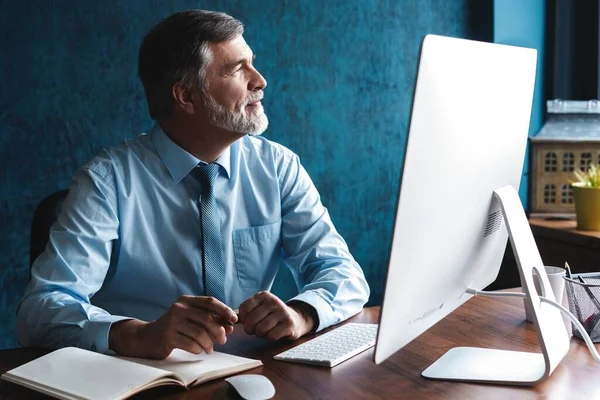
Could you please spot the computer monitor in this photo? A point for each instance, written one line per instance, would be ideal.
(467, 139)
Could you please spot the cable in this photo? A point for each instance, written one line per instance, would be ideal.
(573, 318)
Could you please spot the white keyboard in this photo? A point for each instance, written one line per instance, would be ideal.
(334, 347)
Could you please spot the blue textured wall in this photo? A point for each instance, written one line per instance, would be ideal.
(340, 73)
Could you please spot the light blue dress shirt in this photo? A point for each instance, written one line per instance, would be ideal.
(127, 243)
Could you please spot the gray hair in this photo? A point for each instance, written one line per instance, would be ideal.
(177, 51)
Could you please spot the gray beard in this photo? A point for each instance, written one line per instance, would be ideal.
(252, 124)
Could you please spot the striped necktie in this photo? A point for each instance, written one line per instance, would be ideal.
(213, 261)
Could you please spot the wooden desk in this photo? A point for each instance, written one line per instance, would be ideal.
(484, 322)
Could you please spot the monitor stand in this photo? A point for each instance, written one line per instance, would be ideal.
(513, 367)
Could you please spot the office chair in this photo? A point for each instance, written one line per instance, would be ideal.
(45, 214)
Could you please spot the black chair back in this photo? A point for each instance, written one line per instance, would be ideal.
(45, 214)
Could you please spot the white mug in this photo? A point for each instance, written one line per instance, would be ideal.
(557, 282)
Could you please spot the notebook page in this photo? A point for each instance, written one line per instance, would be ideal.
(190, 366)
(75, 373)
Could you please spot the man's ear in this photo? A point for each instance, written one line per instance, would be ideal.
(184, 98)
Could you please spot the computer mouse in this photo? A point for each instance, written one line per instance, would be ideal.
(252, 386)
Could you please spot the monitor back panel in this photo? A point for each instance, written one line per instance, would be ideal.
(467, 137)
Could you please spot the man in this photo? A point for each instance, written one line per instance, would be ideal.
(163, 236)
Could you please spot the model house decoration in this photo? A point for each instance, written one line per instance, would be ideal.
(568, 141)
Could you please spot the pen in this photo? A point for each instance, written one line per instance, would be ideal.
(237, 314)
(221, 321)
(568, 270)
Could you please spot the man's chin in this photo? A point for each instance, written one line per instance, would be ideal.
(253, 127)
(249, 131)
(259, 128)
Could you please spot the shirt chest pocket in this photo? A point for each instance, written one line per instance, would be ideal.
(257, 255)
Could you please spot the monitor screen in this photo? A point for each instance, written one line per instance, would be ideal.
(467, 137)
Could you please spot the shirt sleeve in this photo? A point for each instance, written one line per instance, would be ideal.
(329, 278)
(56, 310)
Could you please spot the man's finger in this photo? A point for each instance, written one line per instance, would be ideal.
(248, 306)
(252, 303)
(183, 342)
(194, 329)
(213, 305)
(201, 338)
(203, 320)
(266, 325)
(280, 331)
(256, 315)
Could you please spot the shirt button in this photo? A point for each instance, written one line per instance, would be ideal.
(93, 347)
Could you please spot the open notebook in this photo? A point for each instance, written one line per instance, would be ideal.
(73, 373)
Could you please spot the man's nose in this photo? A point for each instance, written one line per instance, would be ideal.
(258, 82)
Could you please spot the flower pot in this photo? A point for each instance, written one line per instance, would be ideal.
(587, 207)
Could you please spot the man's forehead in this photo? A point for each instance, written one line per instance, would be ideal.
(231, 50)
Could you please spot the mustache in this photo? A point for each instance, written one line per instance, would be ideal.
(254, 97)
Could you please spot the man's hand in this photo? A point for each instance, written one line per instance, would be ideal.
(193, 323)
(265, 315)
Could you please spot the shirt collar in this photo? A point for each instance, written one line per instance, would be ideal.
(179, 162)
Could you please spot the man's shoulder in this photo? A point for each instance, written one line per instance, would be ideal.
(118, 156)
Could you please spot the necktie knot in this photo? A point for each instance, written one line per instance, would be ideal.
(206, 174)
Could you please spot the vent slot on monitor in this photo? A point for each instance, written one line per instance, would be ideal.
(494, 222)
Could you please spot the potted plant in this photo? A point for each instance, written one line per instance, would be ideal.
(586, 191)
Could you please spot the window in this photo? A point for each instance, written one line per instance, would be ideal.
(585, 161)
(566, 194)
(549, 194)
(568, 163)
(550, 162)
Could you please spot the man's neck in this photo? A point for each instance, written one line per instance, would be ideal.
(206, 143)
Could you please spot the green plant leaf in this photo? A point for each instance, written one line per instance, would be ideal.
(589, 178)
